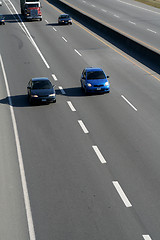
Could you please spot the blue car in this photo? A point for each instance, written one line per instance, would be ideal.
(64, 19)
(94, 80)
(41, 90)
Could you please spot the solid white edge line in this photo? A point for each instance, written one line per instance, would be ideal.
(20, 161)
(99, 155)
(122, 194)
(77, 52)
(62, 90)
(146, 237)
(138, 7)
(24, 28)
(83, 126)
(71, 106)
(54, 77)
(129, 103)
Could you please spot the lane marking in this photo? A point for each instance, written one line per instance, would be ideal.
(83, 126)
(122, 194)
(132, 22)
(104, 42)
(104, 10)
(93, 5)
(54, 77)
(71, 106)
(78, 52)
(99, 155)
(20, 160)
(129, 102)
(64, 39)
(54, 29)
(25, 30)
(46, 21)
(146, 237)
(138, 7)
(62, 90)
(151, 30)
(116, 16)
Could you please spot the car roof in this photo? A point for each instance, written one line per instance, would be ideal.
(91, 69)
(40, 79)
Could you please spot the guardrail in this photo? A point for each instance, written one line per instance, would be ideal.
(147, 55)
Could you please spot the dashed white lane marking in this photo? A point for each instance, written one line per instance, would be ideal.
(132, 22)
(64, 39)
(54, 29)
(62, 90)
(54, 77)
(122, 194)
(93, 5)
(116, 16)
(129, 103)
(99, 154)
(71, 106)
(151, 30)
(46, 21)
(20, 161)
(103, 10)
(77, 52)
(146, 237)
(83, 126)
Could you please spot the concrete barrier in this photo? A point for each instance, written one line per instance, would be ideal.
(137, 49)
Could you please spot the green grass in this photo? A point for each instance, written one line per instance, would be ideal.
(153, 3)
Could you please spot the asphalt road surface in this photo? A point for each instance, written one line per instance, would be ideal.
(91, 163)
(133, 19)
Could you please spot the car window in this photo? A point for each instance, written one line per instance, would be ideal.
(95, 75)
(65, 16)
(42, 85)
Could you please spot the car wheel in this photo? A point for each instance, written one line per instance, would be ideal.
(40, 19)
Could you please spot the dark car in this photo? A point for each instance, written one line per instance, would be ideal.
(64, 19)
(94, 80)
(2, 21)
(41, 90)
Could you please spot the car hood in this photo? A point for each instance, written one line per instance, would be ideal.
(42, 92)
(97, 81)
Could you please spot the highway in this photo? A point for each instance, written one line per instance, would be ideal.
(133, 19)
(91, 163)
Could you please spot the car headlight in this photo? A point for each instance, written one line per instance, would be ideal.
(106, 84)
(52, 95)
(89, 84)
(34, 95)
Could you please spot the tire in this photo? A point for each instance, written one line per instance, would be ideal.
(40, 19)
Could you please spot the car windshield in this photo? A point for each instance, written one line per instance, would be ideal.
(64, 16)
(95, 75)
(42, 85)
(31, 5)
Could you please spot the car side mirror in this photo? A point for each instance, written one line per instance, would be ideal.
(28, 87)
(107, 76)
